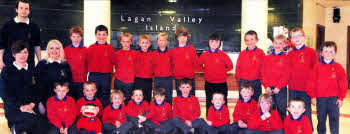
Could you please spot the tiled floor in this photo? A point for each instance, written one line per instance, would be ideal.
(344, 117)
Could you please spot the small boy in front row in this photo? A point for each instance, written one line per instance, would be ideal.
(218, 115)
(328, 85)
(296, 122)
(160, 113)
(89, 97)
(186, 109)
(137, 108)
(114, 115)
(61, 111)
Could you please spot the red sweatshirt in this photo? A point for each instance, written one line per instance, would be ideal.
(83, 100)
(161, 62)
(184, 61)
(275, 70)
(77, 60)
(244, 110)
(135, 110)
(302, 62)
(328, 80)
(249, 64)
(100, 58)
(143, 64)
(215, 65)
(125, 65)
(186, 108)
(272, 123)
(59, 111)
(297, 126)
(160, 112)
(112, 115)
(218, 117)
(90, 124)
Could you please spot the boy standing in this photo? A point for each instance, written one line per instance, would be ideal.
(161, 63)
(215, 64)
(328, 85)
(100, 64)
(296, 122)
(275, 74)
(249, 63)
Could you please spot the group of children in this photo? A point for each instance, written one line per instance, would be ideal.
(65, 71)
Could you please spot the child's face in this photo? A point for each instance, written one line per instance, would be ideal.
(101, 36)
(144, 44)
(23, 9)
(22, 56)
(137, 96)
(117, 99)
(126, 42)
(264, 105)
(218, 100)
(61, 91)
(250, 41)
(296, 108)
(214, 44)
(328, 53)
(185, 89)
(278, 45)
(54, 50)
(162, 41)
(76, 38)
(159, 98)
(246, 93)
(182, 39)
(89, 91)
(297, 38)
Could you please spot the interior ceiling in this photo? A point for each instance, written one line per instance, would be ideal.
(334, 3)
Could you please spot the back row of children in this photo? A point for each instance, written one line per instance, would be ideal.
(181, 62)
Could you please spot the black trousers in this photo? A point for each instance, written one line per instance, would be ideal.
(146, 85)
(103, 85)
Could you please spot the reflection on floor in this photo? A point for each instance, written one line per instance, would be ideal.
(344, 117)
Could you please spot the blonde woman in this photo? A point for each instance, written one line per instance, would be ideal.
(51, 69)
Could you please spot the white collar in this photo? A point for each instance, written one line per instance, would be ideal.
(17, 21)
(19, 68)
(50, 61)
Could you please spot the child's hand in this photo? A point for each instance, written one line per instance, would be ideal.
(209, 123)
(314, 101)
(339, 103)
(268, 90)
(61, 130)
(65, 131)
(276, 90)
(141, 118)
(241, 124)
(117, 124)
(267, 114)
(189, 123)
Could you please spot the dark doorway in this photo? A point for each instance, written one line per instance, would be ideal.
(320, 35)
(348, 59)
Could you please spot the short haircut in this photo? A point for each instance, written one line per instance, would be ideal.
(329, 44)
(125, 34)
(162, 34)
(133, 91)
(297, 99)
(247, 85)
(297, 29)
(215, 36)
(18, 46)
(267, 97)
(23, 1)
(101, 28)
(159, 91)
(89, 83)
(218, 93)
(90, 104)
(185, 81)
(280, 37)
(116, 92)
(251, 32)
(61, 84)
(182, 31)
(77, 30)
(145, 36)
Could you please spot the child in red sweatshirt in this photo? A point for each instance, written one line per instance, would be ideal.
(137, 108)
(296, 122)
(218, 117)
(328, 85)
(89, 97)
(61, 111)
